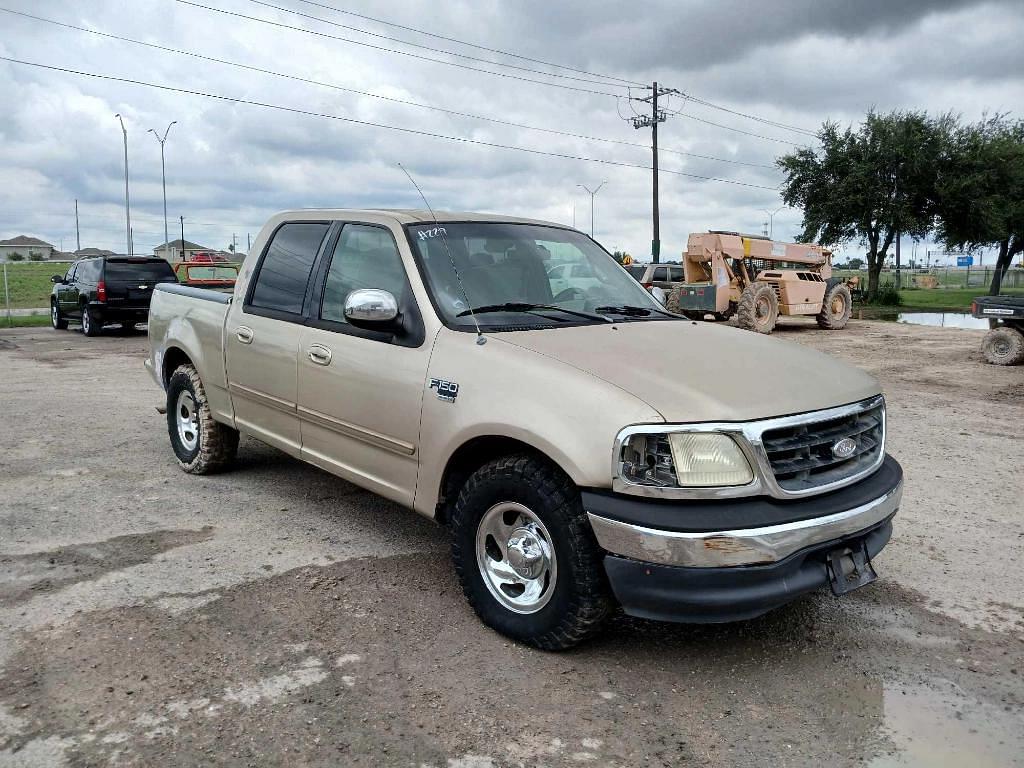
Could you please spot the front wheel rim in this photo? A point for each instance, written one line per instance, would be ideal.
(85, 320)
(53, 314)
(516, 557)
(187, 419)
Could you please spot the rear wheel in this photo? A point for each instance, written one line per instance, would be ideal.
(90, 325)
(201, 444)
(835, 308)
(758, 308)
(1004, 346)
(525, 555)
(57, 319)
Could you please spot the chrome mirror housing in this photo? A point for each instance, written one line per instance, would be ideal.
(371, 307)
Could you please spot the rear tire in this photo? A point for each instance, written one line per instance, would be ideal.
(758, 308)
(1004, 346)
(57, 319)
(556, 594)
(201, 444)
(90, 325)
(835, 308)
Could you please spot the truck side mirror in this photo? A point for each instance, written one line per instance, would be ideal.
(57, 279)
(371, 308)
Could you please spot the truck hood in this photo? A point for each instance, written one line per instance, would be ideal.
(701, 371)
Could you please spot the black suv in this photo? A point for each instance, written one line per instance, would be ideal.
(107, 289)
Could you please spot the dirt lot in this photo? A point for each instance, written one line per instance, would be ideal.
(276, 615)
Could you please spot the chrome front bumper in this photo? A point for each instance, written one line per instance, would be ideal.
(745, 546)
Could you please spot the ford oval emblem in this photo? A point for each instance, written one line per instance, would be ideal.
(844, 448)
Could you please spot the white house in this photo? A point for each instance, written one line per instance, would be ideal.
(29, 248)
(173, 251)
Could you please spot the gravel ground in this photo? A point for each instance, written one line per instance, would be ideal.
(276, 615)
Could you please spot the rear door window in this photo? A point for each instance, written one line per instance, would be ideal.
(283, 275)
(144, 271)
(660, 274)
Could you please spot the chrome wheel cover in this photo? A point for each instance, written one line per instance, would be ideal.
(187, 419)
(516, 557)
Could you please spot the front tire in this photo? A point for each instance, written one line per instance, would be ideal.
(90, 325)
(201, 444)
(525, 555)
(57, 319)
(1003, 346)
(758, 309)
(835, 308)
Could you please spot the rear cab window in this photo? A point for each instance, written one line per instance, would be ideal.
(280, 285)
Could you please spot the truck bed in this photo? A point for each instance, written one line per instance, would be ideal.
(998, 307)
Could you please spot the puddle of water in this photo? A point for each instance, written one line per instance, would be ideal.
(947, 730)
(935, 319)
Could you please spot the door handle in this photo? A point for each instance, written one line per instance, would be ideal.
(319, 354)
(244, 334)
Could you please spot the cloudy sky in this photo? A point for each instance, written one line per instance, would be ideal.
(229, 164)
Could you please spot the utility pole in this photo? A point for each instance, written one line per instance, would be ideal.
(770, 232)
(78, 234)
(651, 121)
(764, 227)
(234, 243)
(592, 193)
(248, 242)
(163, 176)
(182, 237)
(127, 201)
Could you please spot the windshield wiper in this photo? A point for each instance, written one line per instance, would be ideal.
(628, 310)
(522, 306)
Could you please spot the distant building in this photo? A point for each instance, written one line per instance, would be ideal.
(85, 253)
(179, 250)
(29, 248)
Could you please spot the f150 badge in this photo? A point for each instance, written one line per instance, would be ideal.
(446, 390)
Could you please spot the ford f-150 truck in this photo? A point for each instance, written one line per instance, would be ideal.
(430, 360)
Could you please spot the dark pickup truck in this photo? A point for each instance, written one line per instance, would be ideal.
(107, 289)
(1004, 343)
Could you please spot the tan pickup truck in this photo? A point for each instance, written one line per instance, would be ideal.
(434, 362)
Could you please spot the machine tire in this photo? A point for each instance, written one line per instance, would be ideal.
(1003, 346)
(57, 319)
(530, 490)
(212, 446)
(835, 307)
(90, 325)
(758, 308)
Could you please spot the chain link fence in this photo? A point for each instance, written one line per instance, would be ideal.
(942, 277)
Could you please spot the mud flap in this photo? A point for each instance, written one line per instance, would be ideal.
(849, 569)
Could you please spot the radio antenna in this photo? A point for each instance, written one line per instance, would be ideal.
(480, 339)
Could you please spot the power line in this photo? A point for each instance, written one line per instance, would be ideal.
(468, 44)
(730, 128)
(354, 121)
(393, 50)
(622, 80)
(432, 49)
(395, 100)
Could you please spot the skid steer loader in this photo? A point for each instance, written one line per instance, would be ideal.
(757, 279)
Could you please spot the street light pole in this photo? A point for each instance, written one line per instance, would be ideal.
(771, 218)
(592, 193)
(127, 200)
(163, 176)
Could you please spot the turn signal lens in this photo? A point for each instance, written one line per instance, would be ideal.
(705, 459)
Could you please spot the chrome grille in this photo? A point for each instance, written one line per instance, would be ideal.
(801, 455)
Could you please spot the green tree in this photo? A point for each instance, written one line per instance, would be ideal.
(855, 263)
(980, 191)
(868, 184)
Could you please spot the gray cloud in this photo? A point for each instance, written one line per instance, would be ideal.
(230, 165)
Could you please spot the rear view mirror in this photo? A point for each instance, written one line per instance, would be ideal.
(57, 279)
(371, 308)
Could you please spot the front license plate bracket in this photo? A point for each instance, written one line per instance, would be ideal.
(849, 568)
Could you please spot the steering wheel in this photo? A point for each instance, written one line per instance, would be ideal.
(569, 294)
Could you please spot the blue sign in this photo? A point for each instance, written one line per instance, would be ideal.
(965, 261)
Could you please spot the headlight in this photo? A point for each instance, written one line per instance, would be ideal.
(683, 460)
(708, 459)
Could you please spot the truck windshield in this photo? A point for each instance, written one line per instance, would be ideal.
(525, 275)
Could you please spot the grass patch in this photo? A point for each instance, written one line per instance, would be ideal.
(28, 283)
(952, 299)
(25, 321)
